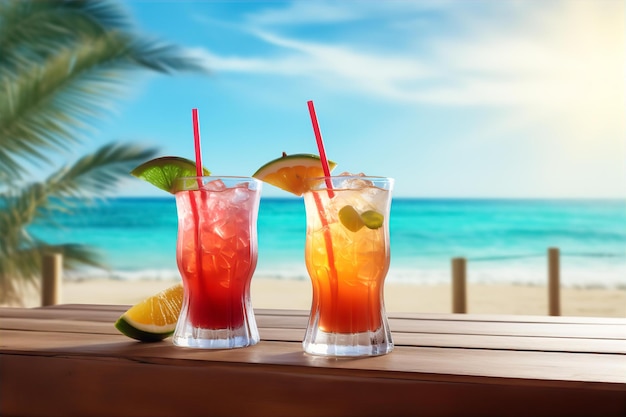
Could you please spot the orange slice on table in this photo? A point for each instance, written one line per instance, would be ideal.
(289, 171)
(154, 318)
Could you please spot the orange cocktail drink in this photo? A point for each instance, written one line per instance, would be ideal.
(347, 258)
(217, 256)
(349, 292)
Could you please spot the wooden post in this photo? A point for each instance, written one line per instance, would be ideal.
(459, 294)
(554, 297)
(51, 271)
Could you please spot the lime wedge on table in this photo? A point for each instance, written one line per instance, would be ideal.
(154, 318)
(290, 171)
(161, 172)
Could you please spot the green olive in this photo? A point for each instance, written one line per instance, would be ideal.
(372, 219)
(350, 218)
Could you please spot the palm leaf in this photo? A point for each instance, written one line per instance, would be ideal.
(62, 65)
(97, 173)
(32, 31)
(48, 107)
(49, 103)
(94, 174)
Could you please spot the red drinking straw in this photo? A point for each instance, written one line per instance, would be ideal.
(196, 142)
(320, 147)
(192, 200)
(320, 208)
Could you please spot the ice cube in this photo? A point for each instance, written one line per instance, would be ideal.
(240, 194)
(215, 185)
(227, 230)
(377, 198)
(352, 181)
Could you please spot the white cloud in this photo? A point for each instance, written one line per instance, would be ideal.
(526, 52)
(343, 66)
(565, 60)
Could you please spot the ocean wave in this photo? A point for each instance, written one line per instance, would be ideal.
(569, 278)
(123, 275)
(504, 241)
(608, 277)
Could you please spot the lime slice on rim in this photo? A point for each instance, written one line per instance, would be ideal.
(161, 172)
(290, 171)
(154, 318)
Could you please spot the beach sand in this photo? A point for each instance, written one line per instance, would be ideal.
(406, 298)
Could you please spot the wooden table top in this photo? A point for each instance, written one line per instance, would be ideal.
(69, 360)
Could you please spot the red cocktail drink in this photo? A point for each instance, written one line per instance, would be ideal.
(217, 256)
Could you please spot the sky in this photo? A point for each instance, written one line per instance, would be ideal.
(459, 99)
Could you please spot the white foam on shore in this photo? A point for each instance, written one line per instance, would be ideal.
(608, 278)
(121, 275)
(601, 276)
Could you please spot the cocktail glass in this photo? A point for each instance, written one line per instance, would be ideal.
(217, 255)
(347, 258)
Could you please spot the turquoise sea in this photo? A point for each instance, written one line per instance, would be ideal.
(504, 241)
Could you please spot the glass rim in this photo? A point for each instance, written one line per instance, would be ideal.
(349, 177)
(235, 177)
(230, 181)
(338, 183)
